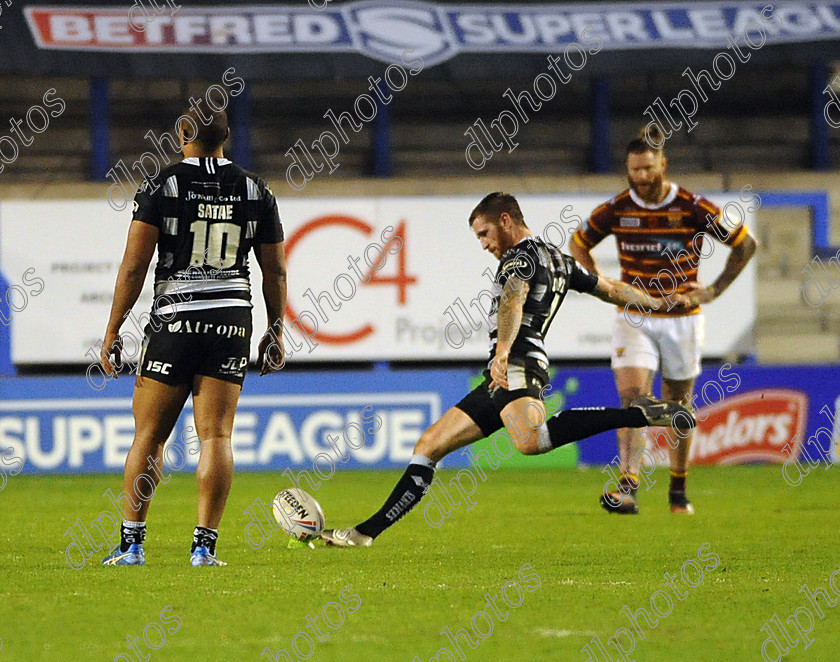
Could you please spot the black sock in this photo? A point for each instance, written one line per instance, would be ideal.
(204, 537)
(410, 488)
(132, 533)
(677, 481)
(576, 424)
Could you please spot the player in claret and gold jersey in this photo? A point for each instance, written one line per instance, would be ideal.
(660, 229)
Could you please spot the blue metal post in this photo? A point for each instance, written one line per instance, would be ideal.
(820, 148)
(6, 365)
(380, 141)
(240, 107)
(100, 136)
(600, 125)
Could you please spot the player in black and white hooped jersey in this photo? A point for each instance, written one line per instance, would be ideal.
(204, 215)
(550, 275)
(531, 282)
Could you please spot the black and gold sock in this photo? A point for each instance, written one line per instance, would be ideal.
(629, 483)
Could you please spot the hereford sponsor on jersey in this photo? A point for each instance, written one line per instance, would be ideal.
(641, 246)
(750, 427)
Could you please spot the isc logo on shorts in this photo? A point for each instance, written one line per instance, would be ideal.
(157, 366)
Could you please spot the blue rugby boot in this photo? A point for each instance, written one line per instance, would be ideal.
(202, 556)
(133, 556)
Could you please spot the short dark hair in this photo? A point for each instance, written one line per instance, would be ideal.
(209, 136)
(494, 205)
(646, 141)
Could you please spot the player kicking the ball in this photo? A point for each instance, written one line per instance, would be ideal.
(531, 283)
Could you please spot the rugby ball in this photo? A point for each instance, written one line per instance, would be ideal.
(298, 514)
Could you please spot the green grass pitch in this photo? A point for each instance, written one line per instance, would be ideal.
(415, 581)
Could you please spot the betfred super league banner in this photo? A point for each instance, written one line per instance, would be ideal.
(434, 32)
(321, 422)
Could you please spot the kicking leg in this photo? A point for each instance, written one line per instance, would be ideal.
(454, 430)
(525, 421)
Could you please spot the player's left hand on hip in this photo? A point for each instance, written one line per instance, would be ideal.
(682, 301)
(699, 293)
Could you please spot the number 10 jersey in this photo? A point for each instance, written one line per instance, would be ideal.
(209, 213)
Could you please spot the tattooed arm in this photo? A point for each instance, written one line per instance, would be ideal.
(622, 294)
(509, 317)
(738, 258)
